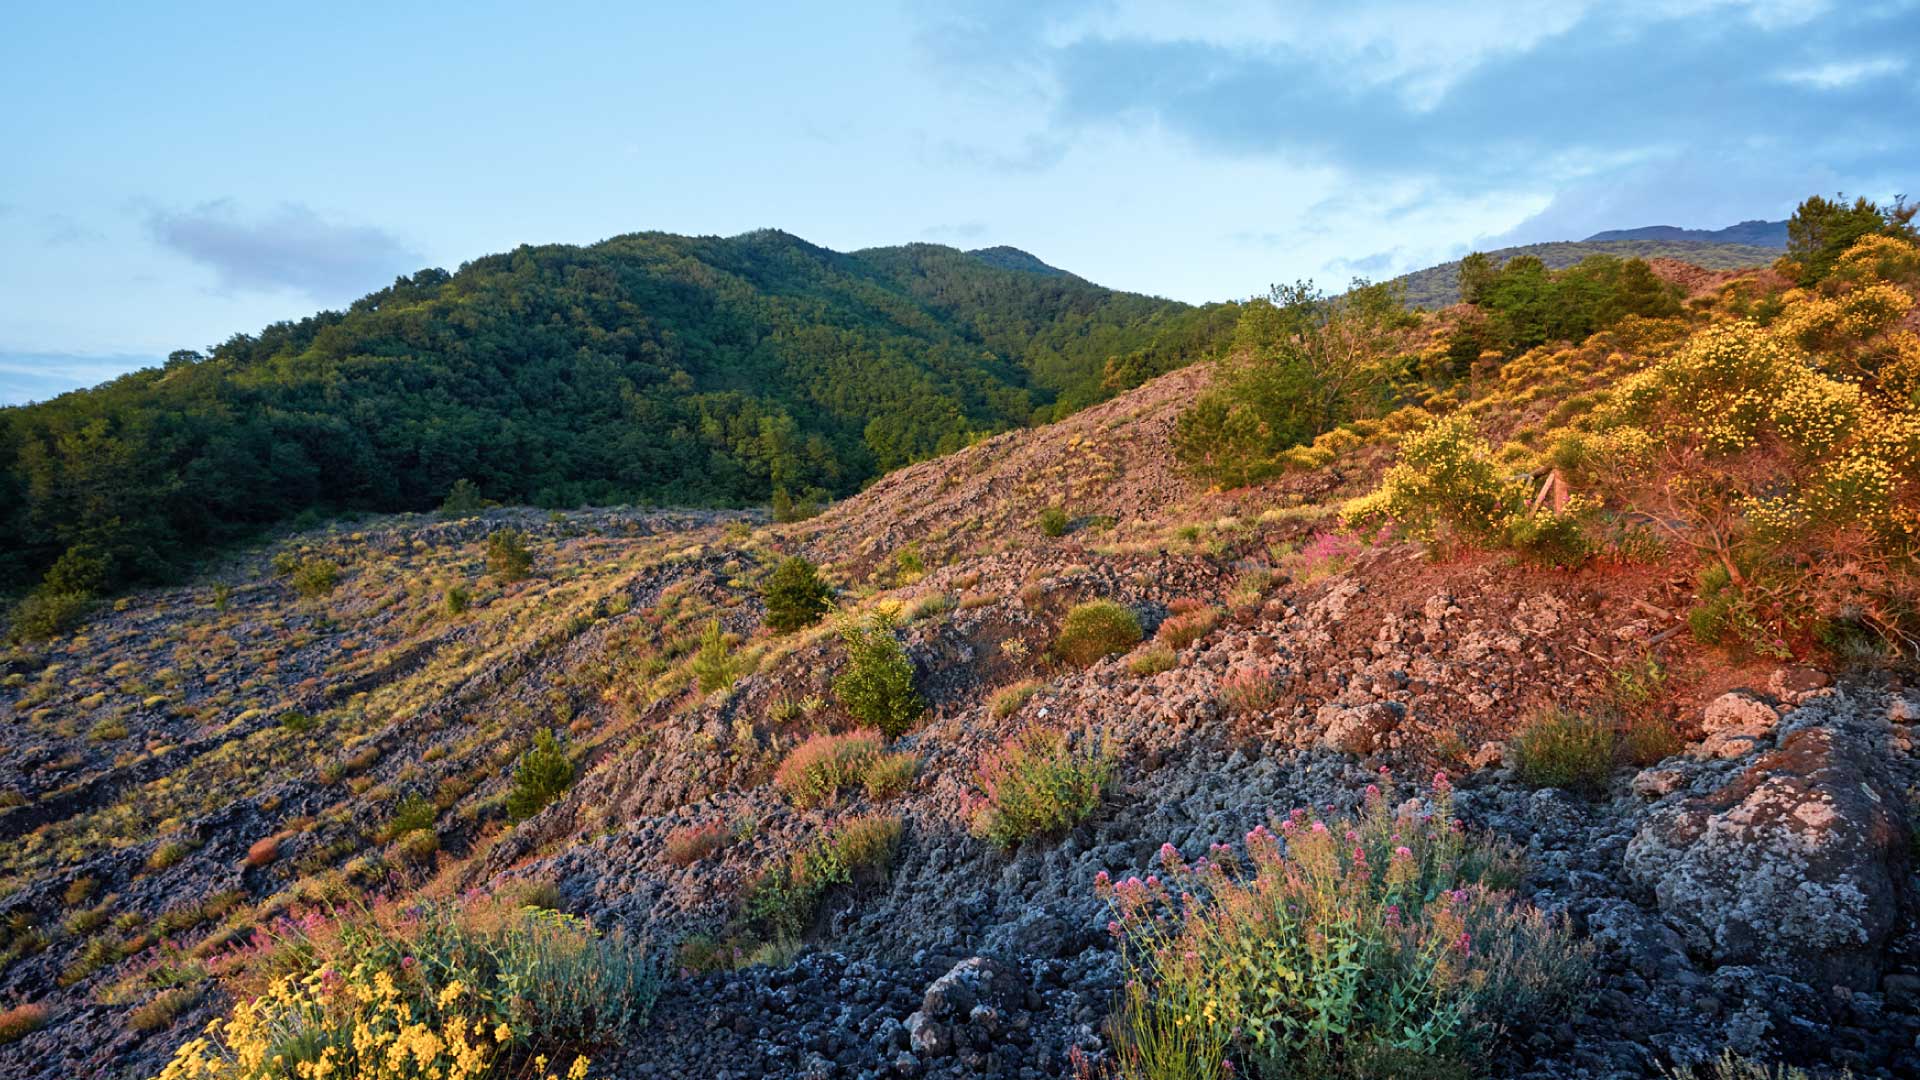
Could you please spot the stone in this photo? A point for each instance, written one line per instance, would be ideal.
(1356, 730)
(1735, 723)
(1795, 866)
(1653, 783)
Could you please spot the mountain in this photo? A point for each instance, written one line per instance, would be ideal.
(1767, 234)
(649, 368)
(1439, 286)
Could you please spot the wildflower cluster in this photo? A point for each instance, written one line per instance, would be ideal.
(438, 991)
(1333, 944)
(1039, 783)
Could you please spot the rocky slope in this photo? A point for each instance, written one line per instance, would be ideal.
(204, 760)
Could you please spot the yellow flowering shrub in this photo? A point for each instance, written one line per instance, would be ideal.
(1814, 412)
(1446, 480)
(431, 992)
(1878, 258)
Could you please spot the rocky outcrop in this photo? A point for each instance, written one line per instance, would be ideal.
(1797, 864)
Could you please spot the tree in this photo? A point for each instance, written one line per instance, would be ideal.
(543, 775)
(1822, 229)
(795, 594)
(463, 500)
(1301, 363)
(877, 685)
(507, 555)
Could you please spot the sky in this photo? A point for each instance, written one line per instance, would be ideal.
(179, 173)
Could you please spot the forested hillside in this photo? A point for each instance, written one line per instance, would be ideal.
(647, 368)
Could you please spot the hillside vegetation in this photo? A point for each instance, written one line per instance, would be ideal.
(1519, 690)
(1438, 286)
(648, 369)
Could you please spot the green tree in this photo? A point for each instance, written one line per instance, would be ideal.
(543, 775)
(507, 556)
(1301, 363)
(877, 685)
(463, 500)
(713, 666)
(795, 594)
(1822, 229)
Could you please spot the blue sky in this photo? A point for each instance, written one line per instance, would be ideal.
(184, 172)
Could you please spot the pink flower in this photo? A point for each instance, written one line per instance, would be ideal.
(1373, 791)
(1440, 782)
(1319, 826)
(1168, 853)
(1101, 879)
(1113, 927)
(1464, 943)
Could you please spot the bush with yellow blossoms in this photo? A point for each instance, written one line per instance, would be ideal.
(432, 992)
(1383, 943)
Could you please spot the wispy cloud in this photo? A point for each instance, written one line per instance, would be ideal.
(291, 248)
(1569, 98)
(37, 376)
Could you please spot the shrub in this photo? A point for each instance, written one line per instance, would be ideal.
(688, 844)
(80, 890)
(167, 855)
(714, 667)
(108, 730)
(1566, 749)
(1096, 629)
(164, 1009)
(1383, 940)
(889, 775)
(21, 1021)
(815, 772)
(783, 900)
(419, 846)
(543, 775)
(877, 685)
(98, 954)
(911, 566)
(458, 600)
(1008, 699)
(263, 852)
(413, 813)
(1445, 483)
(1152, 660)
(1184, 629)
(795, 595)
(1053, 521)
(1250, 691)
(41, 614)
(1038, 784)
(1553, 537)
(473, 992)
(314, 578)
(507, 556)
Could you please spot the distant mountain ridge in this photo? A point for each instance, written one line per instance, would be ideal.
(1755, 233)
(1439, 286)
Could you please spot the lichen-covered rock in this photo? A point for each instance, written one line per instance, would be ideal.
(1734, 724)
(1794, 866)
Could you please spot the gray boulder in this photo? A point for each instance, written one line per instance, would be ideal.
(1794, 866)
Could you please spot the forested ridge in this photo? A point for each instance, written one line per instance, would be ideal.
(649, 368)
